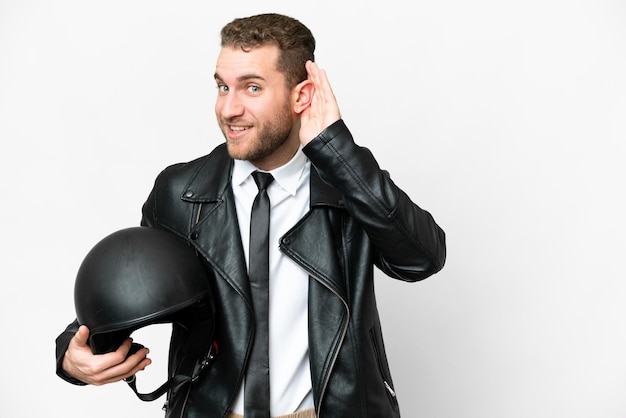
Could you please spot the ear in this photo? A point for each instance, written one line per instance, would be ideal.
(302, 96)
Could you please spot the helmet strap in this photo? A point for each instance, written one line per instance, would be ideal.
(175, 381)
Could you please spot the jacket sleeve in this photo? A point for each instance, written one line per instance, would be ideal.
(62, 342)
(408, 242)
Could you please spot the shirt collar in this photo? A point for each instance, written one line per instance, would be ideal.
(287, 176)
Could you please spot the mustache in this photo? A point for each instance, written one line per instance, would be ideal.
(233, 121)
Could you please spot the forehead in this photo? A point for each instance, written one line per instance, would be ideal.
(233, 63)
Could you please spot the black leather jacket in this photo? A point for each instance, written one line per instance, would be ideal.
(358, 218)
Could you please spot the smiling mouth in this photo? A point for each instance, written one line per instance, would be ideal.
(237, 132)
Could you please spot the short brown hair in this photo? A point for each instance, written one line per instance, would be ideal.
(295, 41)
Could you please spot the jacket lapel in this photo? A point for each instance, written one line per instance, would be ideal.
(314, 241)
(216, 234)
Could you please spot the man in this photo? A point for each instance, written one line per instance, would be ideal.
(334, 216)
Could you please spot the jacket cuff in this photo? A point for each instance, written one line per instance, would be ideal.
(332, 131)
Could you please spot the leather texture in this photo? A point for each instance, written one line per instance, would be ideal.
(359, 219)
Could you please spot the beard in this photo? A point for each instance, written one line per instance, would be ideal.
(271, 136)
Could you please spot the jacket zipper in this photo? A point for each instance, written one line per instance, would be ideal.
(389, 388)
(381, 369)
(343, 336)
(166, 405)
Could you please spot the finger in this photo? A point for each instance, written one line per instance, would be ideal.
(313, 72)
(132, 365)
(125, 347)
(324, 85)
(310, 67)
(142, 361)
(318, 76)
(82, 335)
(115, 366)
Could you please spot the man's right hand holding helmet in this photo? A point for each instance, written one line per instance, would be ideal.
(99, 369)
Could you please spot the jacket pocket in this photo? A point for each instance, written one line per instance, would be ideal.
(383, 368)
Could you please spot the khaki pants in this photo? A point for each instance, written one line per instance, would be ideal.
(309, 413)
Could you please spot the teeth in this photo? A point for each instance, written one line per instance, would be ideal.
(237, 128)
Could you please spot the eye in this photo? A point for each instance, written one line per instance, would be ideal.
(254, 89)
(222, 88)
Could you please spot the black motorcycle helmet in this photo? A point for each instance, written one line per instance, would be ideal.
(140, 276)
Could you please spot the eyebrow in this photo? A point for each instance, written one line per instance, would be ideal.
(243, 77)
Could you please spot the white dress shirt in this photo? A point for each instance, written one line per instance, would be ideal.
(290, 375)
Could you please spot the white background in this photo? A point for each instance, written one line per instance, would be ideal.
(506, 120)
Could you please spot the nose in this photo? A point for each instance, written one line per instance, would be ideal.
(229, 105)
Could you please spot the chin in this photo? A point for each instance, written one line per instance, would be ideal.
(237, 151)
(234, 151)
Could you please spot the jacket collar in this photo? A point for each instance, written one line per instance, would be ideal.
(209, 183)
(216, 229)
(212, 179)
